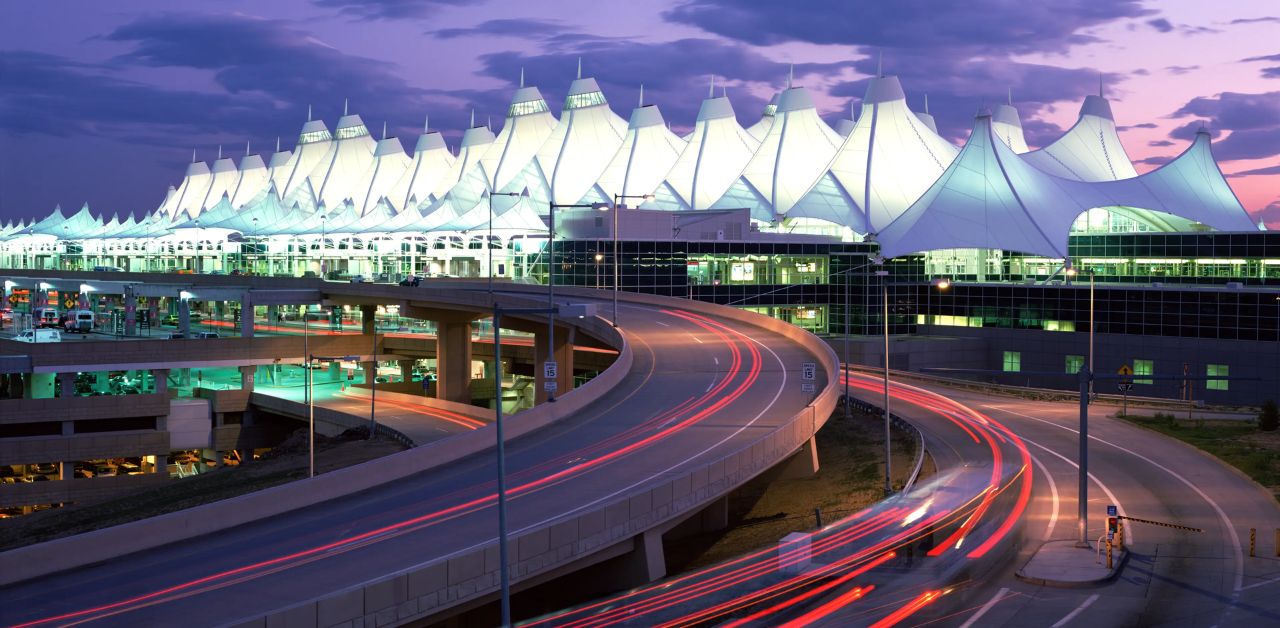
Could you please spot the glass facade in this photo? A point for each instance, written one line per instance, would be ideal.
(1143, 367)
(589, 99)
(1074, 363)
(527, 107)
(1217, 370)
(1012, 362)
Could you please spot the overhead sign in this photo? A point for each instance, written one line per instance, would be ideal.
(809, 371)
(550, 370)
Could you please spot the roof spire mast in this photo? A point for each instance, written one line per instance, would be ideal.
(791, 75)
(384, 129)
(246, 148)
(579, 67)
(344, 106)
(641, 95)
(308, 113)
(880, 65)
(926, 103)
(711, 93)
(426, 123)
(277, 143)
(1100, 85)
(522, 77)
(473, 118)
(219, 151)
(1010, 96)
(193, 155)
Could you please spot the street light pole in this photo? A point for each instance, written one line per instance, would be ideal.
(888, 450)
(844, 360)
(505, 602)
(311, 402)
(551, 303)
(1085, 377)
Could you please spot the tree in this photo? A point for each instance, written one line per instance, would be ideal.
(1269, 417)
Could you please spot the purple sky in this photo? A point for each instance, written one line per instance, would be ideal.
(103, 102)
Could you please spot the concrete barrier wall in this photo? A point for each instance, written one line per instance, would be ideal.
(82, 408)
(48, 357)
(58, 555)
(36, 449)
(465, 409)
(78, 489)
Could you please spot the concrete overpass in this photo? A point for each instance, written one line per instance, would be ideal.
(701, 399)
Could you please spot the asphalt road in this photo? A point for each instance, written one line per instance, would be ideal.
(697, 391)
(1173, 578)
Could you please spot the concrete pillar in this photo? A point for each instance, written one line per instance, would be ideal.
(102, 382)
(66, 384)
(370, 372)
(563, 356)
(39, 386)
(335, 372)
(246, 377)
(273, 315)
(68, 428)
(130, 312)
(184, 317)
(367, 320)
(162, 380)
(184, 377)
(246, 316)
(406, 369)
(804, 464)
(646, 562)
(453, 357)
(17, 387)
(153, 311)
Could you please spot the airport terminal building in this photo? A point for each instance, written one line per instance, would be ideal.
(987, 256)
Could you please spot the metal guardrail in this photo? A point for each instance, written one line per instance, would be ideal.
(902, 424)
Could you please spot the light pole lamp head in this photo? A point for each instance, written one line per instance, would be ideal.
(941, 283)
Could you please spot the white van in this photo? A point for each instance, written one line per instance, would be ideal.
(80, 321)
(46, 317)
(39, 335)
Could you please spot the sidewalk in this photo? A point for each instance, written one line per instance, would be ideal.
(1062, 564)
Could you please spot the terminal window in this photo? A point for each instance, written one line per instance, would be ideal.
(1216, 370)
(1143, 367)
(1012, 361)
(1074, 363)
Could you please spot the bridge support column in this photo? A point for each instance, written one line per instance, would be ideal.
(162, 380)
(246, 378)
(246, 316)
(367, 319)
(562, 354)
(130, 312)
(66, 384)
(273, 315)
(370, 372)
(406, 369)
(646, 562)
(453, 360)
(804, 464)
(184, 317)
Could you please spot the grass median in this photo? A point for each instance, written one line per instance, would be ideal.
(1237, 443)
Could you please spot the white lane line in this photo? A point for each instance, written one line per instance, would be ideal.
(699, 340)
(1128, 531)
(711, 385)
(986, 607)
(1053, 492)
(662, 323)
(1079, 609)
(1229, 528)
(717, 360)
(1261, 584)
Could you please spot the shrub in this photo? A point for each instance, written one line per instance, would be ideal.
(1269, 417)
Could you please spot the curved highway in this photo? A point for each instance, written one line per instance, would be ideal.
(699, 389)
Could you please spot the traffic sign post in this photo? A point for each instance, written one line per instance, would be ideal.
(550, 370)
(1125, 385)
(809, 371)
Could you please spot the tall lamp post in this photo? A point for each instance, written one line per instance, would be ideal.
(489, 243)
(567, 311)
(617, 199)
(1072, 272)
(888, 450)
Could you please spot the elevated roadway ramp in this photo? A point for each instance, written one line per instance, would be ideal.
(711, 397)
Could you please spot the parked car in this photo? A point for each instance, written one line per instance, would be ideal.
(46, 317)
(411, 281)
(207, 334)
(176, 335)
(172, 319)
(358, 279)
(107, 269)
(39, 335)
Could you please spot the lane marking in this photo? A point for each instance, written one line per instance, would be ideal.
(1129, 536)
(1260, 584)
(699, 340)
(1053, 492)
(711, 385)
(662, 323)
(1079, 609)
(717, 360)
(1229, 528)
(986, 607)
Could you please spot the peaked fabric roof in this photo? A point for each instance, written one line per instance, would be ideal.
(432, 163)
(994, 199)
(646, 155)
(717, 151)
(574, 156)
(889, 159)
(1007, 125)
(1090, 150)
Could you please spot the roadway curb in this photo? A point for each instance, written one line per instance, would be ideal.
(1222, 463)
(1085, 583)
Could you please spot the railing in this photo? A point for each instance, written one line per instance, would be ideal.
(902, 424)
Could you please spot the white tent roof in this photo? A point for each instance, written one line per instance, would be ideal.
(225, 177)
(794, 154)
(762, 126)
(904, 156)
(342, 172)
(717, 151)
(1090, 150)
(647, 154)
(314, 143)
(586, 138)
(190, 194)
(1007, 126)
(432, 162)
(389, 165)
(254, 176)
(992, 198)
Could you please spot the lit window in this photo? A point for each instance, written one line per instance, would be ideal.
(589, 99)
(526, 108)
(1074, 364)
(1216, 370)
(1012, 361)
(1143, 367)
(349, 132)
(770, 109)
(314, 136)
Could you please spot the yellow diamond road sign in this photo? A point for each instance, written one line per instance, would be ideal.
(1125, 370)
